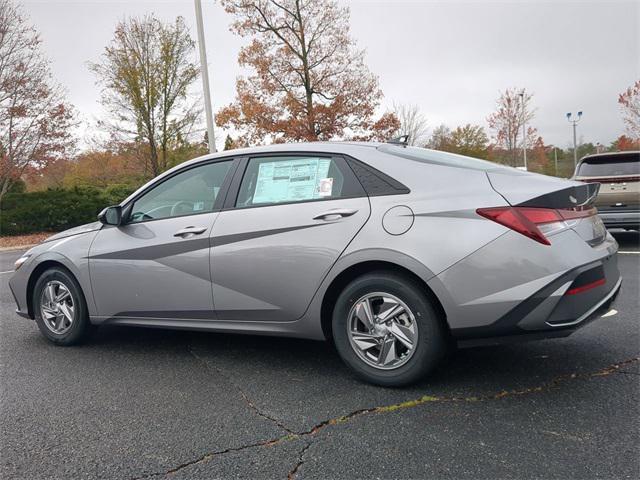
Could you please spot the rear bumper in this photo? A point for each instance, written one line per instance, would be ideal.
(620, 219)
(557, 331)
(517, 289)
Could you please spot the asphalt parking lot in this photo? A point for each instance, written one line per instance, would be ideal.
(137, 403)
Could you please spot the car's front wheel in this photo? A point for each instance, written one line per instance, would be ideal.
(60, 308)
(386, 329)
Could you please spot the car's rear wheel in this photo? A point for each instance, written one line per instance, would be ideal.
(386, 329)
(60, 308)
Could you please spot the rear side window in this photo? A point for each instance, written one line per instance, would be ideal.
(610, 166)
(290, 179)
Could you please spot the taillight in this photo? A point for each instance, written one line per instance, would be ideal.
(535, 222)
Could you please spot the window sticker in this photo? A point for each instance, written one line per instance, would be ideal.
(325, 187)
(291, 180)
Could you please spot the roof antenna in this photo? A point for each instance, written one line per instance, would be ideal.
(401, 140)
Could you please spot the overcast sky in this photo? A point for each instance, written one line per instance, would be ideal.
(450, 58)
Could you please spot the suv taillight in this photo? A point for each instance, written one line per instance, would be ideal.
(535, 222)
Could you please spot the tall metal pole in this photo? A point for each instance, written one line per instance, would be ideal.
(204, 70)
(575, 146)
(524, 132)
(574, 123)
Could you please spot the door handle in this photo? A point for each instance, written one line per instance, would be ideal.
(189, 231)
(335, 214)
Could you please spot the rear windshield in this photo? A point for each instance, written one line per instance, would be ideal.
(437, 157)
(609, 166)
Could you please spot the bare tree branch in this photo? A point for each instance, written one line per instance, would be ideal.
(146, 72)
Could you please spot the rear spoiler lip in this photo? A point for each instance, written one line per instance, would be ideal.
(579, 196)
(526, 189)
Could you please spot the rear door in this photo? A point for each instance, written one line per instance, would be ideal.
(286, 221)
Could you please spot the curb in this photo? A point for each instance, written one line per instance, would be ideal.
(17, 247)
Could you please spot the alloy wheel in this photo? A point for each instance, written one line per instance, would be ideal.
(382, 330)
(56, 307)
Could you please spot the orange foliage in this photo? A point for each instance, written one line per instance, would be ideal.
(624, 143)
(539, 161)
(309, 81)
(102, 168)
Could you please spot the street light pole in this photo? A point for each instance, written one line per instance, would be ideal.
(204, 70)
(574, 123)
(524, 132)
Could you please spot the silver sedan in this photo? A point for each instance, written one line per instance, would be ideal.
(395, 253)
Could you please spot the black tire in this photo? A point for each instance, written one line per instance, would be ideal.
(432, 341)
(81, 326)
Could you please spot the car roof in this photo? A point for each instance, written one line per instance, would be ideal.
(321, 147)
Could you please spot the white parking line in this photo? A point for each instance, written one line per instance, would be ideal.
(8, 271)
(628, 253)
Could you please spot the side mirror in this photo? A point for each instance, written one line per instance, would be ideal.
(111, 215)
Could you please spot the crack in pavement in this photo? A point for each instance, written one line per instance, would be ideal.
(208, 456)
(609, 370)
(294, 471)
(244, 396)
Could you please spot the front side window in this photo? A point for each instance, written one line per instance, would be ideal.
(187, 193)
(287, 179)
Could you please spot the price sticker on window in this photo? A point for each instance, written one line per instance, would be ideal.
(325, 187)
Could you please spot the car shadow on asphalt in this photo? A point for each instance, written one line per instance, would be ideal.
(500, 366)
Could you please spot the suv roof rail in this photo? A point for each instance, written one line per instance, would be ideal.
(401, 140)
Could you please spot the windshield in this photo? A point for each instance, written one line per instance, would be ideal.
(439, 158)
(610, 166)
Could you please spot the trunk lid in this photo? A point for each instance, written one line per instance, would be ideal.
(524, 189)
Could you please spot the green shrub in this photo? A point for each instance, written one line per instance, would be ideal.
(56, 209)
(114, 194)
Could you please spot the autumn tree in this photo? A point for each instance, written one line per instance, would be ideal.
(229, 143)
(308, 81)
(51, 175)
(629, 101)
(624, 143)
(470, 140)
(104, 167)
(412, 123)
(146, 72)
(539, 161)
(35, 120)
(440, 138)
(513, 108)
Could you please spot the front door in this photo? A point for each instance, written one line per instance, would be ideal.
(156, 265)
(272, 246)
